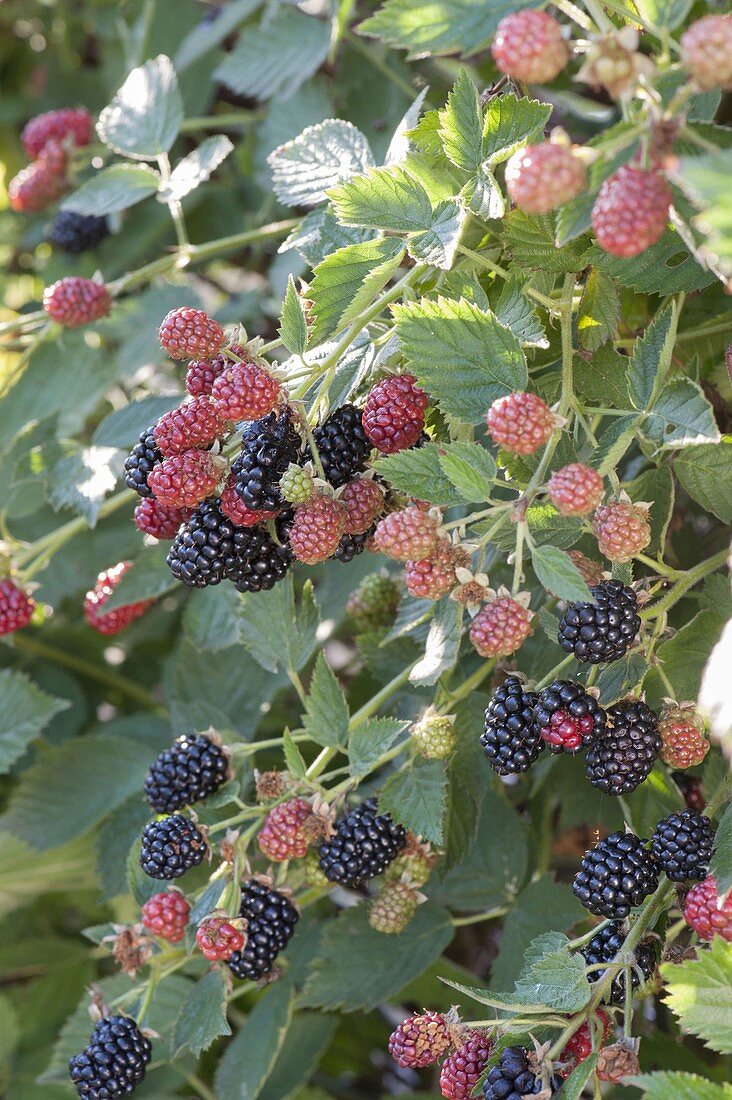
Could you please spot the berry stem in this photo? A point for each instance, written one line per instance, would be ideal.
(174, 206)
(48, 544)
(548, 303)
(683, 585)
(595, 10)
(476, 918)
(658, 567)
(567, 349)
(233, 120)
(552, 674)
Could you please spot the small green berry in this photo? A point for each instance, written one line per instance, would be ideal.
(314, 875)
(374, 603)
(296, 484)
(412, 867)
(434, 736)
(393, 908)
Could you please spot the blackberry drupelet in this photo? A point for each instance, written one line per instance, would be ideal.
(138, 464)
(622, 758)
(567, 717)
(191, 770)
(615, 875)
(170, 847)
(269, 445)
(76, 233)
(258, 561)
(203, 549)
(511, 742)
(604, 630)
(113, 1063)
(512, 1078)
(342, 445)
(363, 845)
(352, 545)
(604, 947)
(682, 844)
(271, 918)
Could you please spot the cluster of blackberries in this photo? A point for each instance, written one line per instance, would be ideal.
(622, 742)
(114, 1061)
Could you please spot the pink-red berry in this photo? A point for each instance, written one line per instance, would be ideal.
(188, 333)
(317, 528)
(41, 183)
(706, 51)
(631, 211)
(705, 912)
(566, 731)
(195, 424)
(218, 938)
(431, 578)
(462, 1069)
(541, 177)
(244, 391)
(111, 622)
(75, 301)
(202, 373)
(579, 1046)
(166, 915)
(364, 501)
(282, 835)
(529, 46)
(621, 529)
(156, 519)
(234, 507)
(65, 124)
(575, 490)
(591, 571)
(520, 422)
(408, 535)
(393, 416)
(683, 744)
(501, 627)
(184, 480)
(420, 1040)
(16, 607)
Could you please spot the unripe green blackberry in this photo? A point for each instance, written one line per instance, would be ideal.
(314, 873)
(296, 484)
(393, 908)
(412, 866)
(373, 604)
(434, 736)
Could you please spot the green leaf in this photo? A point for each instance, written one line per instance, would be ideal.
(249, 1057)
(617, 679)
(664, 13)
(208, 33)
(531, 240)
(665, 268)
(148, 578)
(369, 740)
(202, 1016)
(293, 328)
(278, 634)
(705, 179)
(415, 798)
(122, 427)
(348, 280)
(319, 158)
(360, 968)
(144, 118)
(437, 244)
(384, 198)
(680, 1086)
(599, 311)
(81, 481)
(462, 355)
(542, 906)
(483, 196)
(574, 1086)
(442, 644)
(614, 442)
(657, 485)
(721, 867)
(115, 838)
(308, 1038)
(25, 711)
(461, 125)
(196, 168)
(293, 757)
(419, 472)
(212, 618)
(276, 57)
(557, 572)
(552, 975)
(510, 123)
(112, 189)
(685, 655)
(471, 469)
(454, 26)
(704, 473)
(326, 710)
(651, 358)
(515, 311)
(681, 416)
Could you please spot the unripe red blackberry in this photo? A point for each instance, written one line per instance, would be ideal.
(67, 123)
(579, 1046)
(166, 915)
(41, 183)
(501, 627)
(244, 391)
(520, 422)
(616, 875)
(462, 1069)
(75, 301)
(171, 846)
(188, 333)
(193, 425)
(374, 603)
(364, 501)
(191, 770)
(271, 918)
(16, 606)
(202, 373)
(317, 529)
(409, 534)
(567, 717)
(111, 622)
(631, 211)
(432, 577)
(590, 571)
(541, 177)
(393, 416)
(153, 518)
(218, 938)
(706, 913)
(621, 529)
(114, 1061)
(529, 46)
(392, 909)
(420, 1040)
(184, 480)
(282, 835)
(706, 51)
(433, 736)
(683, 744)
(575, 490)
(236, 510)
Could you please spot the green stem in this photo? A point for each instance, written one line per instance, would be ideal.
(473, 681)
(231, 121)
(658, 567)
(477, 918)
(552, 674)
(174, 206)
(595, 10)
(61, 535)
(548, 303)
(297, 684)
(682, 586)
(567, 350)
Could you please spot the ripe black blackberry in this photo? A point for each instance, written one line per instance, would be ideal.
(511, 742)
(268, 447)
(171, 846)
(567, 717)
(203, 549)
(352, 545)
(258, 561)
(191, 770)
(682, 844)
(603, 630)
(271, 918)
(615, 875)
(363, 845)
(76, 233)
(622, 757)
(140, 461)
(113, 1063)
(342, 445)
(514, 1077)
(604, 947)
